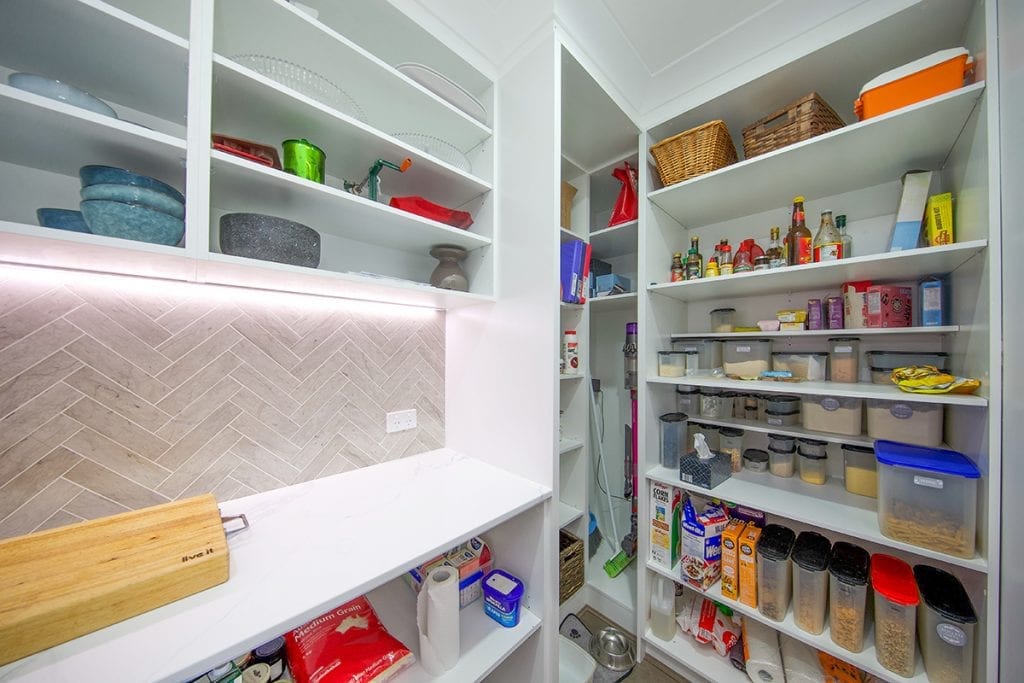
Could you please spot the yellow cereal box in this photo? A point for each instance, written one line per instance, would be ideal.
(748, 565)
(939, 213)
(730, 559)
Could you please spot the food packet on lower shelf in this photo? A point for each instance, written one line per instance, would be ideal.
(349, 644)
(702, 618)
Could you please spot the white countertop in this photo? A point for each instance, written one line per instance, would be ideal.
(311, 546)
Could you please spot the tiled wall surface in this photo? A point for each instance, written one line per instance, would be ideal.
(120, 397)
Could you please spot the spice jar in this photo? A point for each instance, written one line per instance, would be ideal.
(895, 613)
(780, 462)
(844, 356)
(848, 593)
(730, 442)
(946, 622)
(810, 581)
(774, 572)
(761, 263)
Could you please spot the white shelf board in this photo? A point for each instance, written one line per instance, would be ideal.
(614, 302)
(799, 432)
(240, 185)
(622, 588)
(866, 659)
(828, 506)
(615, 241)
(483, 643)
(317, 526)
(237, 271)
(568, 376)
(568, 444)
(566, 306)
(102, 50)
(57, 137)
(899, 265)
(702, 660)
(567, 514)
(391, 101)
(566, 235)
(249, 105)
(863, 154)
(845, 332)
(845, 389)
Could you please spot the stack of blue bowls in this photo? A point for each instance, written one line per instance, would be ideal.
(119, 203)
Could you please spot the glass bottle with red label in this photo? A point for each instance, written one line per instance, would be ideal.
(828, 243)
(798, 239)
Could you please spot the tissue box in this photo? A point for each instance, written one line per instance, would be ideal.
(472, 560)
(701, 565)
(666, 508)
(889, 306)
(707, 473)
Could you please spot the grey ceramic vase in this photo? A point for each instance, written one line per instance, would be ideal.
(448, 274)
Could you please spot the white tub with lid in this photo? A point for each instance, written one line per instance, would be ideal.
(832, 414)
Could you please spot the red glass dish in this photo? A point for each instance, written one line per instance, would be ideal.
(247, 149)
(436, 212)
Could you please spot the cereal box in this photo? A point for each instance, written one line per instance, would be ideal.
(666, 507)
(701, 565)
(748, 565)
(939, 223)
(730, 559)
(890, 306)
(472, 560)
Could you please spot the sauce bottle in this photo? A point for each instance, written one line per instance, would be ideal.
(776, 257)
(725, 258)
(798, 239)
(677, 273)
(828, 243)
(694, 261)
(846, 237)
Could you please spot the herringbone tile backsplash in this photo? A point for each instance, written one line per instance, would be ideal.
(114, 399)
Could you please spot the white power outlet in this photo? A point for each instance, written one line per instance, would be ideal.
(400, 420)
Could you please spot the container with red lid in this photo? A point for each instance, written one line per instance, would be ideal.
(896, 600)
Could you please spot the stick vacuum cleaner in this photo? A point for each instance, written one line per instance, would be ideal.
(627, 553)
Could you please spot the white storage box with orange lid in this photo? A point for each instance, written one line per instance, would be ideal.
(938, 73)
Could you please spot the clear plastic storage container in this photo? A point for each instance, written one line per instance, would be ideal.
(673, 439)
(890, 360)
(927, 497)
(688, 400)
(723, 320)
(844, 359)
(730, 442)
(781, 442)
(671, 364)
(774, 573)
(810, 365)
(781, 462)
(755, 460)
(709, 353)
(945, 623)
(860, 474)
(810, 581)
(833, 414)
(715, 403)
(848, 595)
(746, 357)
(710, 433)
(779, 419)
(895, 613)
(905, 421)
(813, 468)
(782, 403)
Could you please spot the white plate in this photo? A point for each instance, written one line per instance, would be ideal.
(446, 89)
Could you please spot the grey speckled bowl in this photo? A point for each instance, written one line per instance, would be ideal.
(132, 222)
(269, 238)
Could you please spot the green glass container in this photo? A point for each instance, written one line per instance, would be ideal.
(304, 159)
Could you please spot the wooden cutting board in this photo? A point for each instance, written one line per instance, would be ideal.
(59, 584)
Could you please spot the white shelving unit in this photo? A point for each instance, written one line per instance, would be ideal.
(338, 515)
(854, 170)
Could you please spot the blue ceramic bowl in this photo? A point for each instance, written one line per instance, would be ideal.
(132, 222)
(56, 90)
(129, 194)
(62, 219)
(99, 175)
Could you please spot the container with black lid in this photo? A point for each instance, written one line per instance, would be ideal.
(688, 400)
(755, 460)
(848, 567)
(673, 438)
(810, 581)
(774, 573)
(946, 622)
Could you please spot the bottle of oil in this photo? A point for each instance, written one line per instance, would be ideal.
(678, 274)
(828, 243)
(798, 239)
(694, 261)
(776, 257)
(847, 239)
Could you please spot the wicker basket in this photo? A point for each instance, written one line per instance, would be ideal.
(568, 192)
(797, 121)
(570, 565)
(694, 152)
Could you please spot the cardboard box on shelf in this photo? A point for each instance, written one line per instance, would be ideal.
(939, 223)
(890, 306)
(906, 233)
(666, 509)
(730, 558)
(748, 565)
(701, 563)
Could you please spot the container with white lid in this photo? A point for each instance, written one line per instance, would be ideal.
(905, 421)
(927, 497)
(921, 79)
(832, 414)
(946, 622)
(895, 613)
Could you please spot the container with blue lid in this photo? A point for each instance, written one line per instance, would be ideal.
(927, 497)
(502, 593)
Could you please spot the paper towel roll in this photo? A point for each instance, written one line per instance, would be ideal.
(764, 661)
(437, 616)
(800, 661)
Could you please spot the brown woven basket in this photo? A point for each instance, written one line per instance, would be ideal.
(694, 152)
(796, 122)
(568, 193)
(570, 565)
